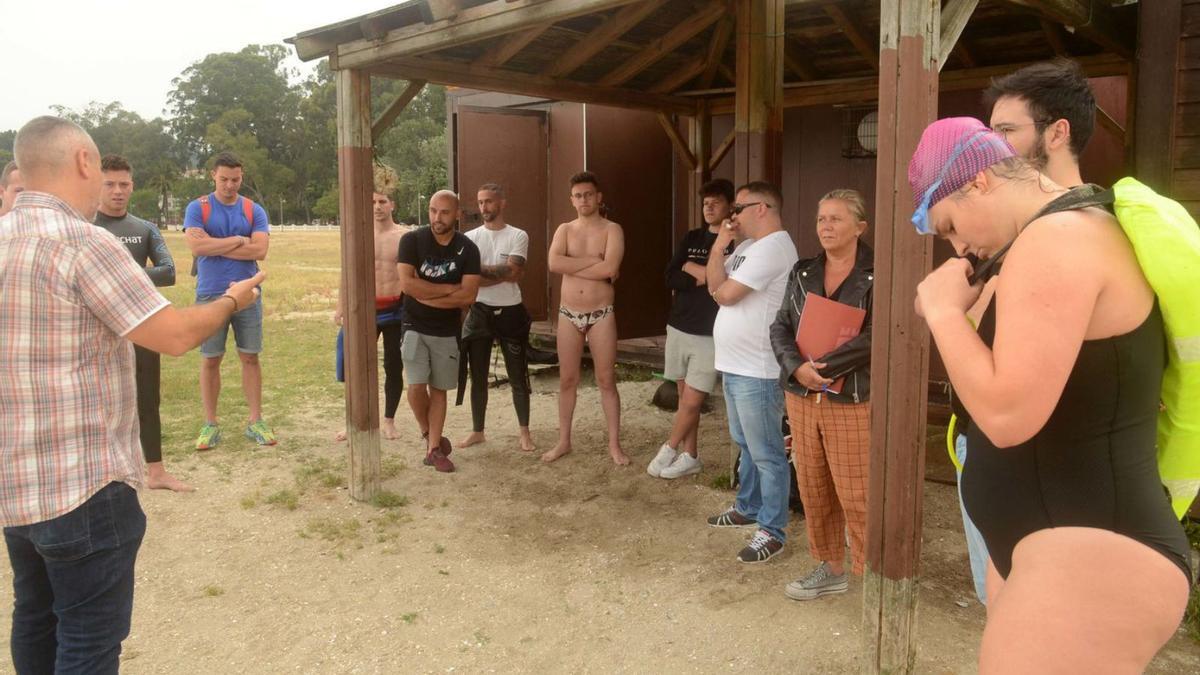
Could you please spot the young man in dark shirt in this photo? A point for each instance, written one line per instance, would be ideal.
(439, 276)
(689, 358)
(146, 245)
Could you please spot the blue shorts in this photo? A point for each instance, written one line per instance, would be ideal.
(247, 330)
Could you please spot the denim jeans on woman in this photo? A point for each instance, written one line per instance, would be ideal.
(755, 410)
(73, 584)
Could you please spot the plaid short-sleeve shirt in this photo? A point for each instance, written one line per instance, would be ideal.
(69, 292)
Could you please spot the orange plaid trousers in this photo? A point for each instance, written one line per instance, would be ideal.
(830, 448)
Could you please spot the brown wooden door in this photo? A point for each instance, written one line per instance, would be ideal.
(509, 147)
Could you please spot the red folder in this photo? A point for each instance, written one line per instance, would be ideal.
(826, 325)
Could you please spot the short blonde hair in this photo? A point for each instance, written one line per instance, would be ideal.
(852, 198)
(386, 180)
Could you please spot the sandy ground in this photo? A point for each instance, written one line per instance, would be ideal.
(508, 565)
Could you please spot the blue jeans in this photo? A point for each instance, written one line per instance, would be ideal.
(976, 549)
(755, 407)
(247, 330)
(73, 584)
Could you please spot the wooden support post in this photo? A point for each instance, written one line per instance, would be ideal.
(700, 139)
(955, 15)
(908, 88)
(758, 101)
(1154, 107)
(356, 184)
(722, 150)
(681, 146)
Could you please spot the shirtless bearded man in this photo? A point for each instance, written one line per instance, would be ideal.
(587, 253)
(388, 309)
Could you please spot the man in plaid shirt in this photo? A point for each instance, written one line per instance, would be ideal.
(71, 302)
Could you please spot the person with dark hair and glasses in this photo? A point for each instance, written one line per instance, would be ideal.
(1047, 113)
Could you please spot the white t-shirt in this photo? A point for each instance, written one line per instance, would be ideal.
(494, 248)
(742, 332)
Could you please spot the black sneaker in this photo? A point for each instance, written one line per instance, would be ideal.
(760, 549)
(731, 518)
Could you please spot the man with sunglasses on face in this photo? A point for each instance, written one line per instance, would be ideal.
(1047, 113)
(749, 285)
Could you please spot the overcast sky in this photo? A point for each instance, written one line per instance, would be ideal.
(72, 52)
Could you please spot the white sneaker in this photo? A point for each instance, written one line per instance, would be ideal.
(666, 455)
(684, 465)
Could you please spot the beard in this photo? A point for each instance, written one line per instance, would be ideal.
(1038, 157)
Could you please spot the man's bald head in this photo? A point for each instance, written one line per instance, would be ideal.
(58, 157)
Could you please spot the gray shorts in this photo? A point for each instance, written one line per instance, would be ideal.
(690, 358)
(247, 330)
(430, 360)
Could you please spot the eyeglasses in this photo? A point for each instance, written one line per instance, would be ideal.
(738, 208)
(920, 218)
(1006, 129)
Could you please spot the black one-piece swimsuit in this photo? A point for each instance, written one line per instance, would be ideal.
(1092, 465)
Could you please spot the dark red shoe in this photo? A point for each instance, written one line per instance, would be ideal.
(439, 461)
(444, 448)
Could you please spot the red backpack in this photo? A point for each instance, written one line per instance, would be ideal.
(206, 210)
(206, 213)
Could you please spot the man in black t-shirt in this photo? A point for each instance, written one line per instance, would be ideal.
(439, 274)
(690, 351)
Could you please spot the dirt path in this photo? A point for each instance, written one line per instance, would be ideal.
(507, 565)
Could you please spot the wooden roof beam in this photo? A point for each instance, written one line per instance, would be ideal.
(796, 62)
(388, 116)
(489, 20)
(440, 10)
(850, 29)
(866, 89)
(504, 50)
(954, 19)
(680, 77)
(680, 145)
(681, 33)
(716, 50)
(486, 78)
(602, 36)
(1092, 19)
(964, 54)
(1054, 37)
(722, 150)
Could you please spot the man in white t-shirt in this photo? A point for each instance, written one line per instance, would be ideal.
(749, 285)
(497, 315)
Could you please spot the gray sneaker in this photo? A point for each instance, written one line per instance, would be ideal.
(820, 581)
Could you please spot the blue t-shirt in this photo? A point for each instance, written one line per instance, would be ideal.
(214, 273)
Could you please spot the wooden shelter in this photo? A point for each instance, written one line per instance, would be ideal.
(685, 61)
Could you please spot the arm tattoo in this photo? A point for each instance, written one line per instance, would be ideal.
(494, 272)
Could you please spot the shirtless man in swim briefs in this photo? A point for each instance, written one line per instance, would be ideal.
(587, 253)
(388, 311)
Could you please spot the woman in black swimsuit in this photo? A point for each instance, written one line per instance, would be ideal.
(1089, 569)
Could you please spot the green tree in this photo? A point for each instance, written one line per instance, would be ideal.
(415, 145)
(147, 145)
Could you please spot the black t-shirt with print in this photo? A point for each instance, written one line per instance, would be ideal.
(436, 264)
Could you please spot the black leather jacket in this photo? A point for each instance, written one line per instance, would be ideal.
(853, 359)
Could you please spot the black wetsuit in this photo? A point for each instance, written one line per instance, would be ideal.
(1093, 464)
(146, 245)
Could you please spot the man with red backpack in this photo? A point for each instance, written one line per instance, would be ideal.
(228, 234)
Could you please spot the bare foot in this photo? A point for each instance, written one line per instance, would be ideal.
(340, 436)
(159, 479)
(618, 456)
(527, 441)
(474, 438)
(556, 452)
(389, 429)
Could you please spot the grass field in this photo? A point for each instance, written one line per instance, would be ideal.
(299, 297)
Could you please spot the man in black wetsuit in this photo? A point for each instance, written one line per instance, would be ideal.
(146, 245)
